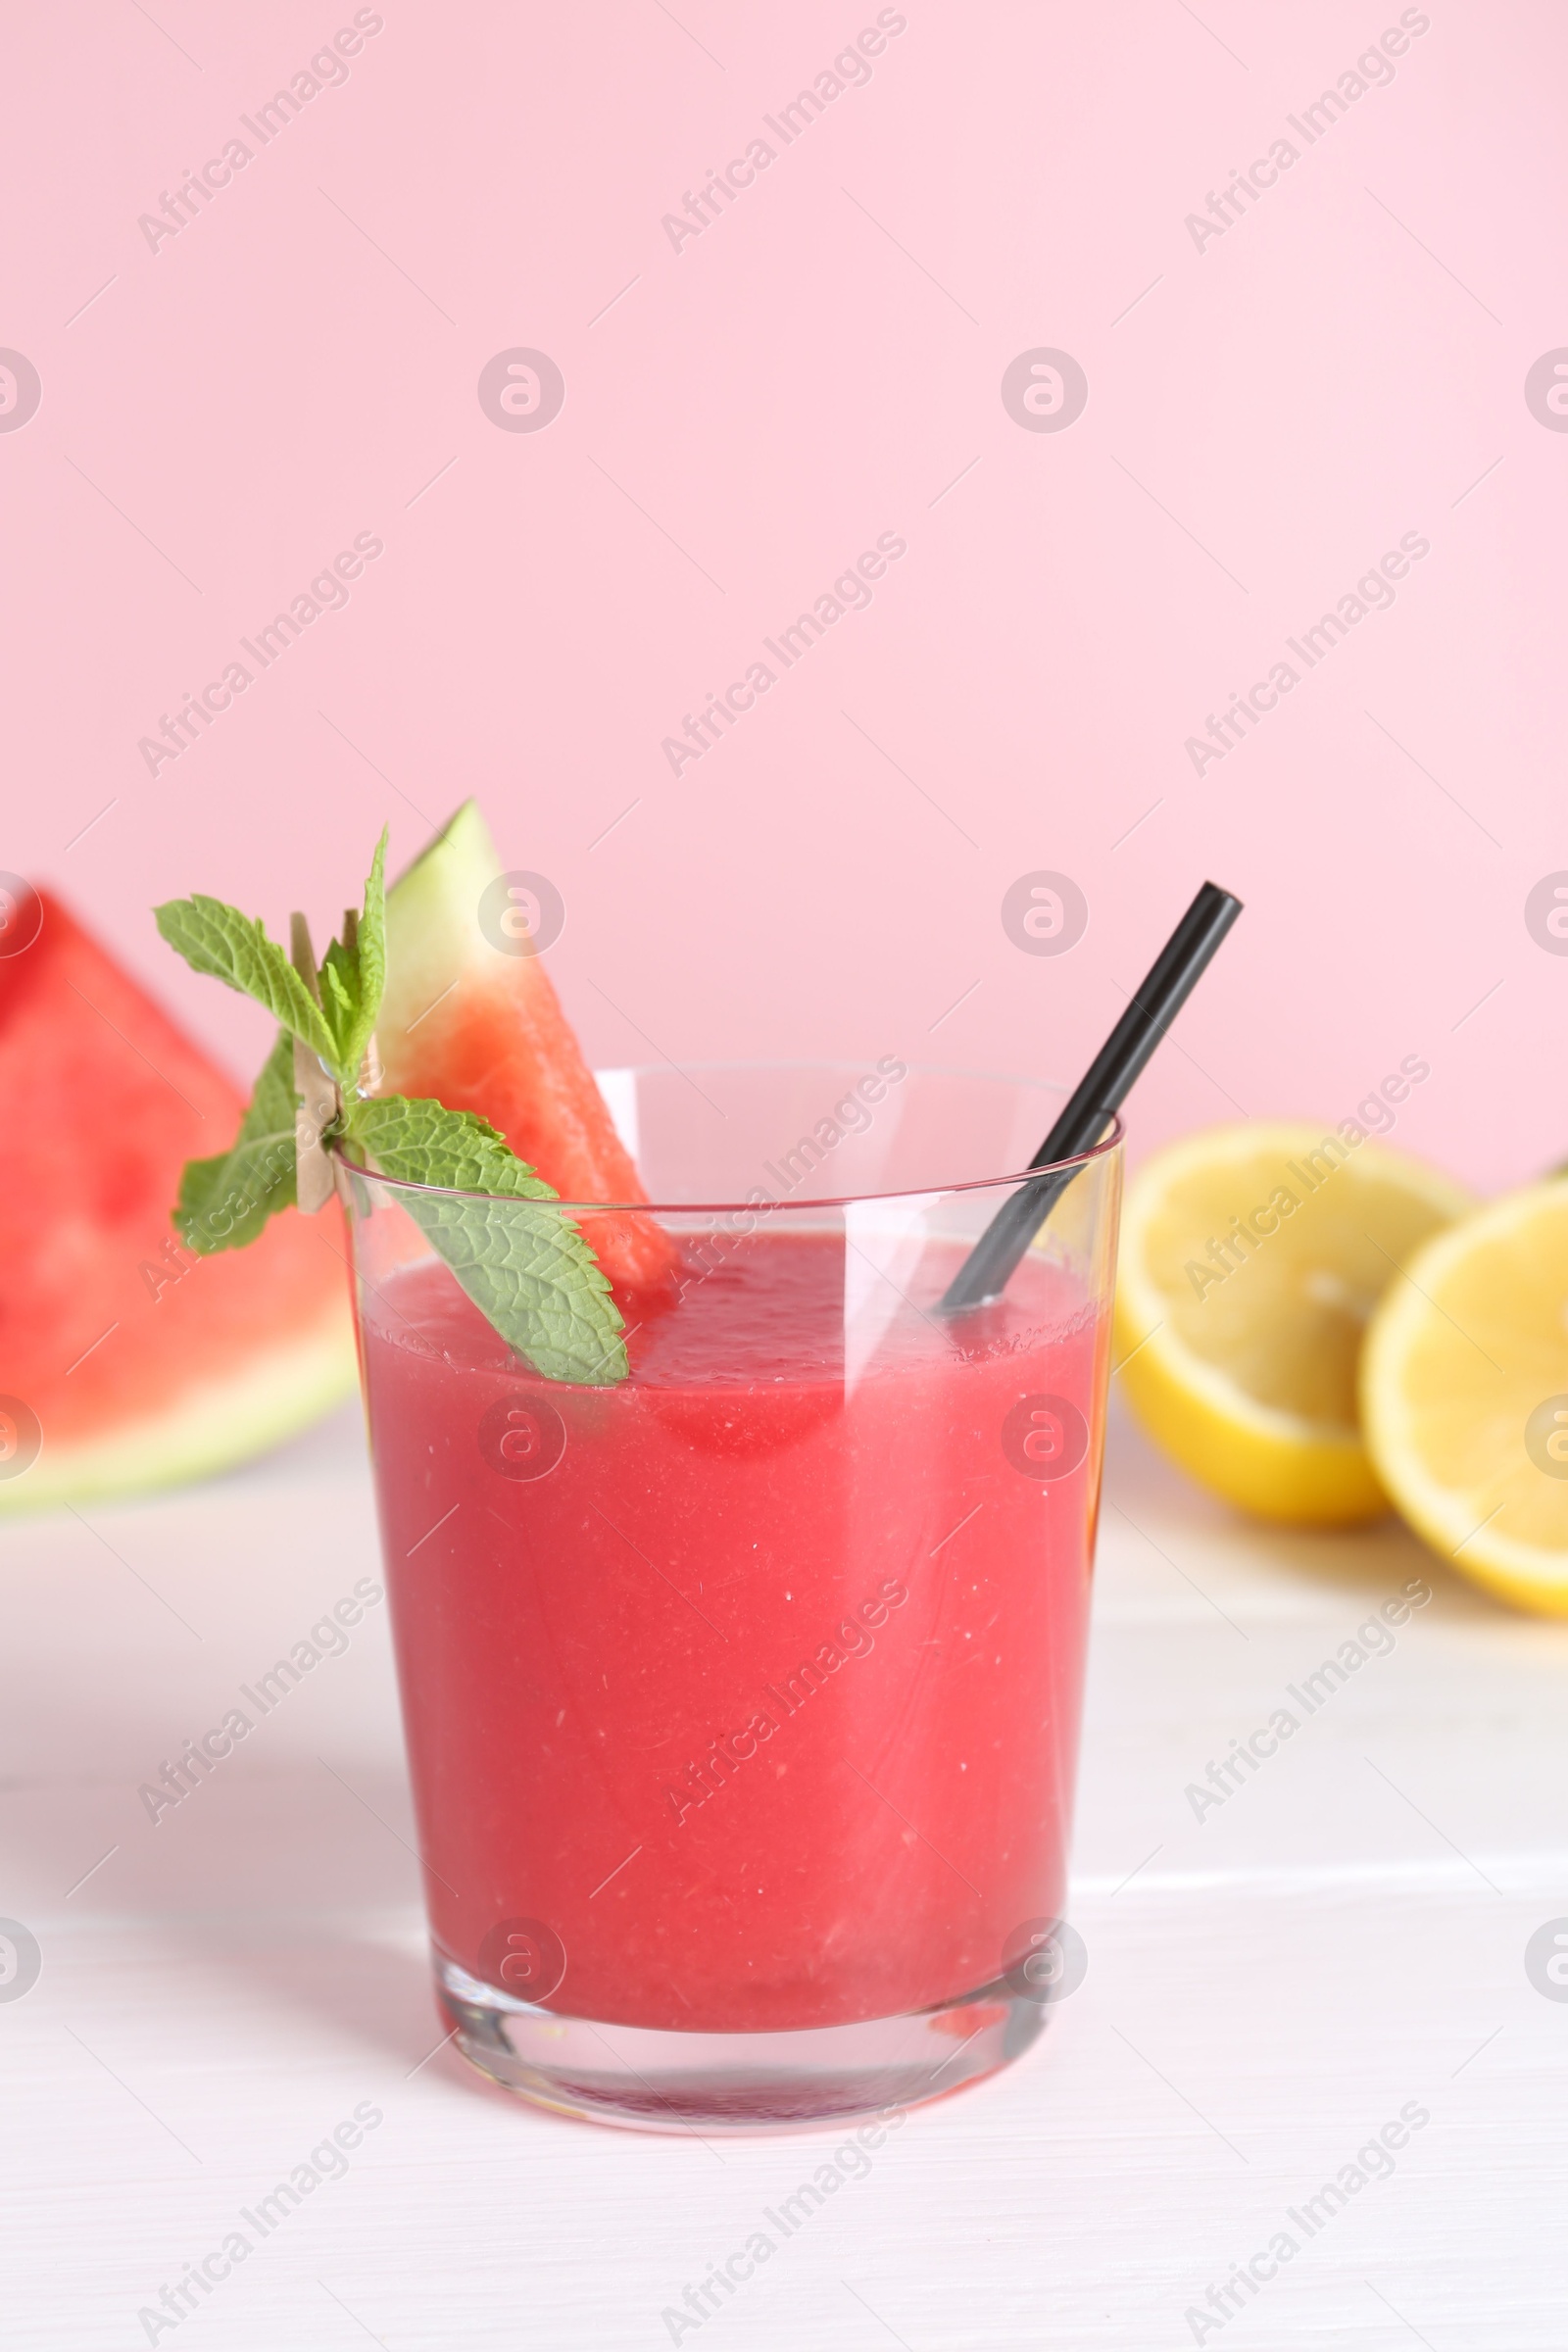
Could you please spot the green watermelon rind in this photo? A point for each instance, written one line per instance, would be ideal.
(273, 1394)
(433, 935)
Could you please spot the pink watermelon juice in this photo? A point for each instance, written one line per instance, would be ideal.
(742, 1695)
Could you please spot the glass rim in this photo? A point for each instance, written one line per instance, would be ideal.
(761, 1201)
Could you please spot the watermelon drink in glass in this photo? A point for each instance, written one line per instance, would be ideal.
(741, 1693)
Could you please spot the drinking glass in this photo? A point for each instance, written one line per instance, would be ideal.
(742, 1694)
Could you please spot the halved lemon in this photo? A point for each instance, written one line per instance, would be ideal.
(1464, 1395)
(1251, 1260)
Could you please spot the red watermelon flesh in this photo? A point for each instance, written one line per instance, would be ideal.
(140, 1362)
(478, 1028)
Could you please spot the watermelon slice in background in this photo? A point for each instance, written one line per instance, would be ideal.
(479, 1028)
(127, 1362)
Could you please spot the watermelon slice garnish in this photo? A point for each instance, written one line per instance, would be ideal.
(479, 1028)
(138, 1363)
(322, 1104)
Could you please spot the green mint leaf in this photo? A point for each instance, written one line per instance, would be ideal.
(220, 941)
(225, 1202)
(372, 937)
(353, 978)
(523, 1262)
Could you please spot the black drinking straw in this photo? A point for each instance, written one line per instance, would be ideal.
(1102, 1090)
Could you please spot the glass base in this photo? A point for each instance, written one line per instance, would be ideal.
(646, 2080)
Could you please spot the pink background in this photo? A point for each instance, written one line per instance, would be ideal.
(300, 364)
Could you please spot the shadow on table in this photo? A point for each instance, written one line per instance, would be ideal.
(269, 1892)
(1365, 1563)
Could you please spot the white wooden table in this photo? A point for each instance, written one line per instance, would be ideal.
(1267, 1987)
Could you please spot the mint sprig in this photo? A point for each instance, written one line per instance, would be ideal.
(523, 1262)
(526, 1268)
(353, 975)
(225, 1202)
(220, 941)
